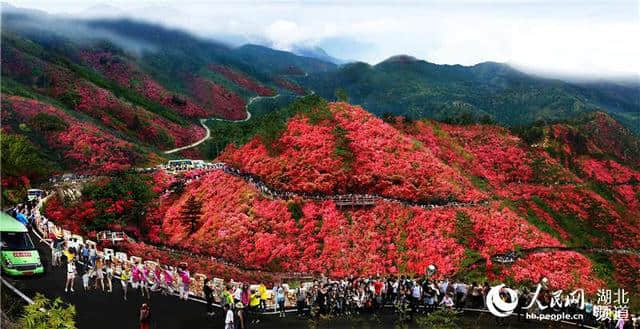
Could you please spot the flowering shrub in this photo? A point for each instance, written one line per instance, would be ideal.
(239, 226)
(565, 270)
(390, 163)
(609, 171)
(502, 230)
(306, 162)
(242, 80)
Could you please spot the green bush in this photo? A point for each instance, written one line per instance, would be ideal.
(48, 122)
(56, 314)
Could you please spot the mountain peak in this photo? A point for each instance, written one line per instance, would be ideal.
(401, 59)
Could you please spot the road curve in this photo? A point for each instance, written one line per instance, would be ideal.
(208, 131)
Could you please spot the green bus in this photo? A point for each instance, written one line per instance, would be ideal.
(18, 255)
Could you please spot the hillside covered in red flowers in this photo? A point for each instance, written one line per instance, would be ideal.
(527, 195)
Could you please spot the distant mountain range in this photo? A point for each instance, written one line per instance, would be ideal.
(408, 86)
(400, 85)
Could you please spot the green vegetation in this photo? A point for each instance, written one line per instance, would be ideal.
(130, 189)
(343, 149)
(295, 208)
(341, 95)
(268, 127)
(57, 315)
(439, 319)
(481, 93)
(20, 157)
(581, 233)
(47, 122)
(463, 229)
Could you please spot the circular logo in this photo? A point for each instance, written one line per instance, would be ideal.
(499, 307)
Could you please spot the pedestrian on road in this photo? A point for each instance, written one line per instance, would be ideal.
(240, 324)
(185, 279)
(145, 317)
(228, 320)
(109, 269)
(208, 295)
(98, 267)
(71, 276)
(124, 279)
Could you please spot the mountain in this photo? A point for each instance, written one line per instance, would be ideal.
(317, 53)
(404, 85)
(315, 186)
(443, 194)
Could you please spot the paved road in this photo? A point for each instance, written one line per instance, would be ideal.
(102, 310)
(208, 132)
(98, 310)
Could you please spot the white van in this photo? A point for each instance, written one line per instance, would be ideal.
(183, 164)
(34, 194)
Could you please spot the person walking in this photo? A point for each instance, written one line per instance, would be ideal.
(280, 298)
(262, 290)
(241, 316)
(71, 276)
(208, 296)
(186, 281)
(93, 255)
(125, 276)
(109, 270)
(254, 303)
(143, 275)
(145, 317)
(99, 274)
(228, 320)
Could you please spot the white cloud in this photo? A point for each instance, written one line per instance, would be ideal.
(592, 37)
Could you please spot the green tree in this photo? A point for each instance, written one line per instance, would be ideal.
(191, 212)
(48, 122)
(47, 314)
(20, 157)
(341, 95)
(128, 186)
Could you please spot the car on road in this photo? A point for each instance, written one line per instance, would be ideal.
(18, 255)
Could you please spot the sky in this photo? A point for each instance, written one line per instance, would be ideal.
(581, 38)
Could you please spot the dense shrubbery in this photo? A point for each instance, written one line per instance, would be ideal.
(83, 145)
(117, 201)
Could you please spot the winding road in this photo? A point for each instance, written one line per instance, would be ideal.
(208, 131)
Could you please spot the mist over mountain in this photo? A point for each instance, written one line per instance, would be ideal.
(401, 84)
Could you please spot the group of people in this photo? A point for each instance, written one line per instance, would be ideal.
(97, 271)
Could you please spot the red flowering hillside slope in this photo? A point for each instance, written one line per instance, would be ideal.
(101, 104)
(242, 80)
(81, 144)
(534, 201)
(532, 198)
(127, 74)
(352, 151)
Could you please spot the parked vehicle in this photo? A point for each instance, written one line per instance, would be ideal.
(34, 193)
(18, 255)
(183, 164)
